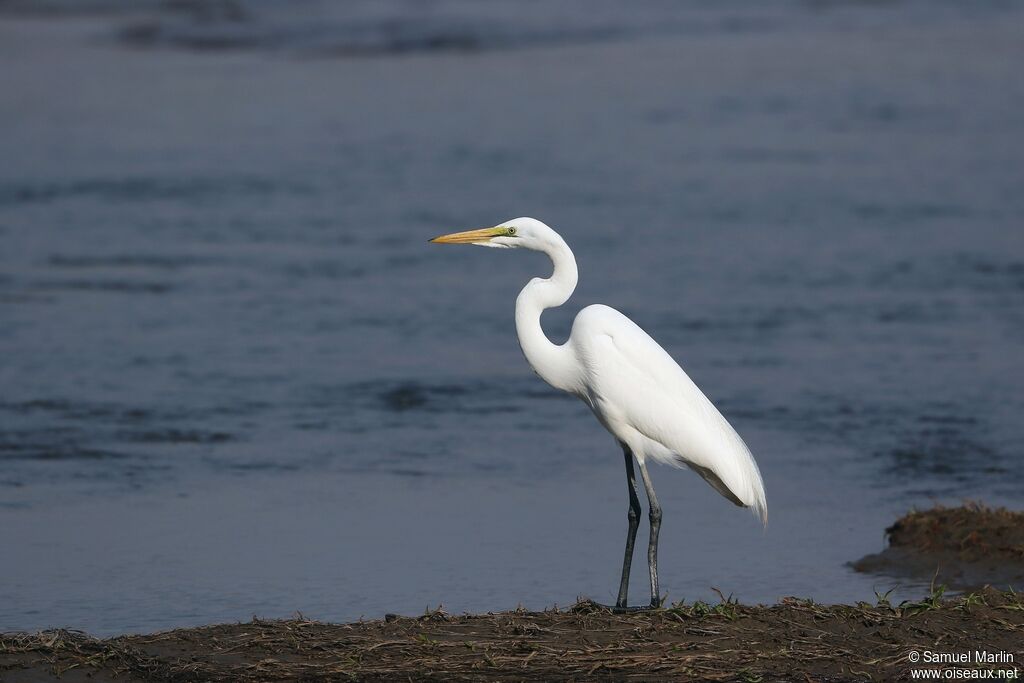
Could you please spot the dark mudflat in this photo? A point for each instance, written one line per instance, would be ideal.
(963, 547)
(795, 640)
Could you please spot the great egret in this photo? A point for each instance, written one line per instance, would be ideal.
(636, 390)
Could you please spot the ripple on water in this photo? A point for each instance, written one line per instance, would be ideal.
(118, 261)
(66, 440)
(975, 271)
(116, 286)
(143, 190)
(13, 447)
(934, 446)
(944, 447)
(173, 435)
(362, 30)
(479, 397)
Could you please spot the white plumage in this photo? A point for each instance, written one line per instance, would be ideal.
(642, 396)
(635, 388)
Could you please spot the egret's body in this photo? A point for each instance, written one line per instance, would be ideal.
(635, 388)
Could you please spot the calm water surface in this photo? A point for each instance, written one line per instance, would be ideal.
(235, 380)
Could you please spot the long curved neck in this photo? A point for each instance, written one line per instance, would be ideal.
(553, 362)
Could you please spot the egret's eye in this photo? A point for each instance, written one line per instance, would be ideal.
(511, 232)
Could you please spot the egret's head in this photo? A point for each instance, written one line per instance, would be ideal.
(521, 233)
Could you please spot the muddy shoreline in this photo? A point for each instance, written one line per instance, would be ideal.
(795, 639)
(965, 548)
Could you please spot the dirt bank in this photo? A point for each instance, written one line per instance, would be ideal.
(963, 547)
(794, 640)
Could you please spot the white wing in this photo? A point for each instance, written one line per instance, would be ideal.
(637, 390)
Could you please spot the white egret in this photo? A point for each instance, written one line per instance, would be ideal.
(633, 386)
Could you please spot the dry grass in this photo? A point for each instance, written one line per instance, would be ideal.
(793, 640)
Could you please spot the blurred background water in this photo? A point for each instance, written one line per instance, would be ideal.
(235, 379)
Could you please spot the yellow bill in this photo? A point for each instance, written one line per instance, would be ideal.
(471, 236)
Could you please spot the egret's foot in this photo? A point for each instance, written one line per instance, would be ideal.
(626, 609)
(587, 605)
(633, 608)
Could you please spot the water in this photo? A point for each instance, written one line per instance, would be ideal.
(235, 380)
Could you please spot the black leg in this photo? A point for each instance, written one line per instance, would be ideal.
(652, 547)
(634, 522)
